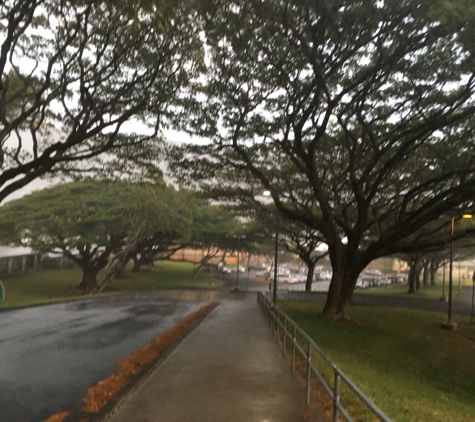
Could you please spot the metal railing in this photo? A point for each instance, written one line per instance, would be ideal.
(279, 322)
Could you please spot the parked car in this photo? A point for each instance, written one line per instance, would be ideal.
(362, 284)
(260, 267)
(283, 278)
(299, 277)
(322, 275)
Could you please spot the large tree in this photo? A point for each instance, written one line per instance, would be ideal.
(85, 221)
(357, 116)
(79, 79)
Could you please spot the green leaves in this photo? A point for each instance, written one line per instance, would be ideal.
(82, 79)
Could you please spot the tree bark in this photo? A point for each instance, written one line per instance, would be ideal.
(425, 272)
(311, 271)
(119, 271)
(332, 306)
(418, 276)
(433, 271)
(89, 281)
(425, 275)
(137, 265)
(413, 278)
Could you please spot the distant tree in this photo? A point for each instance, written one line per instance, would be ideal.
(85, 221)
(214, 230)
(170, 217)
(86, 86)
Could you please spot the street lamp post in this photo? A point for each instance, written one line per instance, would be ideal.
(276, 252)
(473, 297)
(443, 275)
(450, 324)
(237, 268)
(274, 293)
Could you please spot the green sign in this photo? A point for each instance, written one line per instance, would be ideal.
(2, 290)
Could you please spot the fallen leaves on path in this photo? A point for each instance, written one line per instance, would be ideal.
(99, 394)
(58, 417)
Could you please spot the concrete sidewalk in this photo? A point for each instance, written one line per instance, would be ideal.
(229, 369)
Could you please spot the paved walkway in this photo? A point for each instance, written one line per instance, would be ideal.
(229, 369)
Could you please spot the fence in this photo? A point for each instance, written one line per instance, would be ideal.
(16, 264)
(281, 325)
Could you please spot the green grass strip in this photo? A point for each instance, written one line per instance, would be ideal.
(401, 358)
(50, 285)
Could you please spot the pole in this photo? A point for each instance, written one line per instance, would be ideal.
(274, 294)
(248, 270)
(194, 259)
(443, 273)
(237, 269)
(473, 298)
(459, 274)
(449, 310)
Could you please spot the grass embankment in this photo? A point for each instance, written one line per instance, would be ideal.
(400, 358)
(425, 292)
(42, 285)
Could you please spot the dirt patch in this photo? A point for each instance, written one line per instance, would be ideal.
(101, 393)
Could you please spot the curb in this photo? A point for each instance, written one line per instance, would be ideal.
(58, 302)
(135, 381)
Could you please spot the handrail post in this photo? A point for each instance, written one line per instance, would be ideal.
(336, 396)
(309, 373)
(294, 340)
(339, 411)
(284, 338)
(269, 314)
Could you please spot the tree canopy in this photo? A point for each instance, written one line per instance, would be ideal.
(79, 79)
(357, 116)
(89, 221)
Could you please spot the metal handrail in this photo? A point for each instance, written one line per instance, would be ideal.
(279, 320)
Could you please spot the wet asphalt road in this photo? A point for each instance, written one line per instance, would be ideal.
(50, 355)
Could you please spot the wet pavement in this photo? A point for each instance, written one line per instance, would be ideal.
(50, 355)
(228, 369)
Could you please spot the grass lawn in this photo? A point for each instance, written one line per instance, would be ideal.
(44, 285)
(425, 292)
(400, 358)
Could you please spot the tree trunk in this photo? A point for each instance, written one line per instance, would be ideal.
(433, 271)
(332, 306)
(89, 282)
(425, 273)
(119, 271)
(412, 278)
(311, 271)
(137, 264)
(346, 267)
(418, 276)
